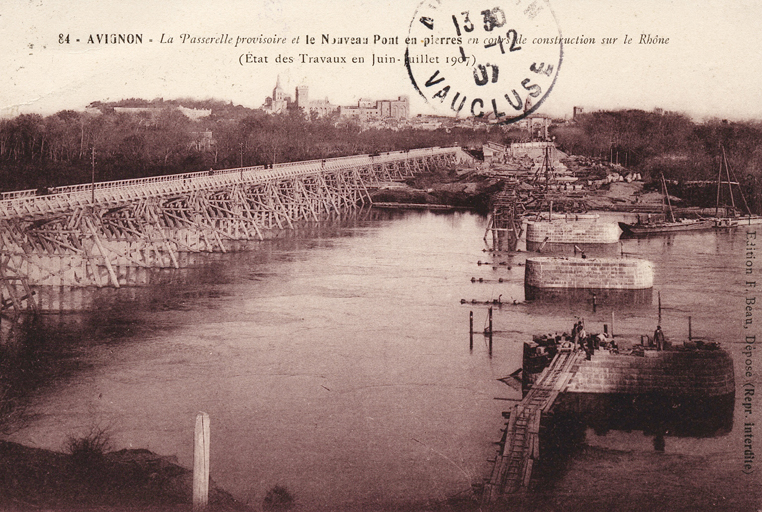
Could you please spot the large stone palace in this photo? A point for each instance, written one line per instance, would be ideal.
(365, 110)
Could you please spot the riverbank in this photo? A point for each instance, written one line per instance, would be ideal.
(473, 188)
(460, 188)
(136, 480)
(33, 479)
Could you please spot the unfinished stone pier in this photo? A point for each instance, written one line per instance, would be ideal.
(682, 391)
(571, 231)
(705, 373)
(589, 273)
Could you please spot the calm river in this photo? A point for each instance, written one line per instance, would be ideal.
(336, 362)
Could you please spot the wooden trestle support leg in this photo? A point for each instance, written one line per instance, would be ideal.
(64, 240)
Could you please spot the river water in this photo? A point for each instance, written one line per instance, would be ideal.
(336, 362)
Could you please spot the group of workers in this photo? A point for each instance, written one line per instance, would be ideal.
(581, 340)
(590, 343)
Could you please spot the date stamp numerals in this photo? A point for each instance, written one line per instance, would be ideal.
(491, 18)
(493, 72)
(511, 38)
(482, 76)
(468, 26)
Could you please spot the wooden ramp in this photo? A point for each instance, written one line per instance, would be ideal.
(520, 448)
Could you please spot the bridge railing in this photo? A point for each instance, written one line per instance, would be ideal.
(18, 193)
(61, 198)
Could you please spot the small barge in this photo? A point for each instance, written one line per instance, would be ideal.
(658, 228)
(662, 227)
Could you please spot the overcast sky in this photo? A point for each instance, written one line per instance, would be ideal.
(709, 68)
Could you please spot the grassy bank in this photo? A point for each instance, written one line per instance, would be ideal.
(90, 478)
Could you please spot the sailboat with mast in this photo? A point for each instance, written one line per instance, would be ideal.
(732, 218)
(666, 226)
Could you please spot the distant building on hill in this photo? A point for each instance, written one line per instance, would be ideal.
(279, 102)
(536, 125)
(366, 109)
(303, 97)
(322, 107)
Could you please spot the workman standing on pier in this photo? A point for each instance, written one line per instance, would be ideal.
(659, 338)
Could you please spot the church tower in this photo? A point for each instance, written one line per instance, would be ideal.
(278, 91)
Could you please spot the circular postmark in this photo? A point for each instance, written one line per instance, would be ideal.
(492, 59)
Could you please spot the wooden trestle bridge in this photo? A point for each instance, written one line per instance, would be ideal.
(104, 234)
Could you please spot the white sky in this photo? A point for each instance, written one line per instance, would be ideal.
(710, 68)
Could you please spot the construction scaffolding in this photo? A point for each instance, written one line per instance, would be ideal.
(111, 234)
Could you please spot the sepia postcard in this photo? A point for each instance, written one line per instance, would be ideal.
(372, 255)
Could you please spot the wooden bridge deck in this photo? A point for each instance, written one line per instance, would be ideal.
(109, 194)
(110, 233)
(520, 448)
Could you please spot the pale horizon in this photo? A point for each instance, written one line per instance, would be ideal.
(706, 70)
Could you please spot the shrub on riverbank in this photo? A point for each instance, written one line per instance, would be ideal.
(88, 452)
(278, 498)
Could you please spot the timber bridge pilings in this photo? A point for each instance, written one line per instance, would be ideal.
(108, 234)
(519, 450)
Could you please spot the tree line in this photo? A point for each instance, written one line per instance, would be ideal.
(656, 143)
(63, 148)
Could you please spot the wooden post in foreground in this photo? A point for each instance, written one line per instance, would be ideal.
(201, 462)
(490, 331)
(612, 324)
(660, 308)
(471, 330)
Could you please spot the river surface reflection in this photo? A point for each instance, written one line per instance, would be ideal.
(336, 363)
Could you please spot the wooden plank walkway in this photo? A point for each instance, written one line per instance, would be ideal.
(520, 447)
(391, 166)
